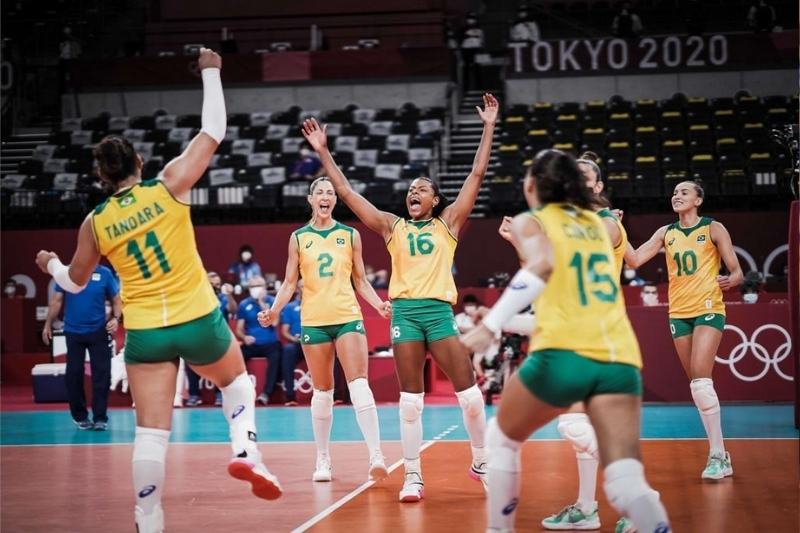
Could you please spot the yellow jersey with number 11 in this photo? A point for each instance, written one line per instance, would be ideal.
(148, 238)
(326, 266)
(581, 309)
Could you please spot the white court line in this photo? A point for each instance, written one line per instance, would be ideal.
(305, 526)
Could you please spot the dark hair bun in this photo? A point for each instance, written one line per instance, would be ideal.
(590, 156)
(116, 158)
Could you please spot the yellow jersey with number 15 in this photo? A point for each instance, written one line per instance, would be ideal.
(326, 266)
(581, 309)
(422, 260)
(693, 263)
(148, 238)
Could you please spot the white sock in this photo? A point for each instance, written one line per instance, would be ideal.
(411, 405)
(578, 431)
(503, 478)
(628, 492)
(587, 482)
(366, 413)
(707, 402)
(322, 419)
(149, 455)
(471, 402)
(238, 406)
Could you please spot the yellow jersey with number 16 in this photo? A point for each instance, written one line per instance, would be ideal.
(693, 263)
(148, 238)
(326, 266)
(422, 260)
(581, 309)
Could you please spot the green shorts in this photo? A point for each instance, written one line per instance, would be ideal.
(423, 320)
(323, 334)
(680, 327)
(201, 341)
(562, 377)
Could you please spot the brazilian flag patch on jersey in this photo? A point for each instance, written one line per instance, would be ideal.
(339, 242)
(126, 200)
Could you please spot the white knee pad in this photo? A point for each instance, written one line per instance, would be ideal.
(504, 453)
(704, 396)
(150, 444)
(361, 395)
(471, 400)
(322, 403)
(625, 483)
(577, 429)
(411, 405)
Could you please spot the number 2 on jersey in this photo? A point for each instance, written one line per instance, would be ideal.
(325, 261)
(150, 241)
(594, 277)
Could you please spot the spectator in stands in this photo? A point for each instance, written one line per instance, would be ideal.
(472, 43)
(630, 277)
(524, 28)
(751, 287)
(472, 314)
(695, 12)
(87, 327)
(761, 17)
(228, 306)
(292, 352)
(246, 268)
(308, 166)
(381, 279)
(258, 341)
(627, 24)
(11, 289)
(649, 295)
(69, 47)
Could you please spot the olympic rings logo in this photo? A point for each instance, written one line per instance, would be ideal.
(770, 360)
(302, 381)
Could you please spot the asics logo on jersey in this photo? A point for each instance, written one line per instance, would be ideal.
(147, 491)
(236, 412)
(508, 509)
(308, 245)
(671, 241)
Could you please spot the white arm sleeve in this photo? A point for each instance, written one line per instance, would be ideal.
(213, 120)
(522, 324)
(524, 288)
(60, 273)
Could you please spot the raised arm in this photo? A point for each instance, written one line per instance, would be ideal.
(380, 222)
(456, 213)
(182, 173)
(361, 283)
(644, 253)
(721, 237)
(73, 277)
(269, 316)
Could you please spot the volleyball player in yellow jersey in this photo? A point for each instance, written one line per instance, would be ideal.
(693, 247)
(170, 311)
(327, 256)
(583, 346)
(423, 292)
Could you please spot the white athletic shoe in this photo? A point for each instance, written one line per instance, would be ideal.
(377, 466)
(718, 466)
(250, 468)
(150, 523)
(322, 472)
(413, 488)
(478, 473)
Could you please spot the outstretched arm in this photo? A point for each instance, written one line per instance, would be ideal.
(378, 221)
(721, 237)
(182, 173)
(456, 213)
(73, 277)
(361, 283)
(644, 253)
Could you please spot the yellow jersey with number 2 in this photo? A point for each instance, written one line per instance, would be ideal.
(581, 309)
(422, 260)
(326, 266)
(148, 238)
(693, 263)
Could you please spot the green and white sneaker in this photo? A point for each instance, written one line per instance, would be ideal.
(624, 526)
(718, 466)
(573, 517)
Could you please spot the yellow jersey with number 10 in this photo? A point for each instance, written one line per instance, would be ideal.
(326, 266)
(422, 260)
(581, 309)
(693, 263)
(148, 238)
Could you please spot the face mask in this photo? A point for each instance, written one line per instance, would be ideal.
(750, 298)
(256, 292)
(630, 274)
(304, 152)
(650, 299)
(10, 291)
(246, 256)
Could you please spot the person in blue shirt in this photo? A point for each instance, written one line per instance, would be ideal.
(86, 327)
(246, 268)
(228, 306)
(290, 329)
(258, 341)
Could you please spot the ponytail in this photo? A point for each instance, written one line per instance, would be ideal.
(558, 179)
